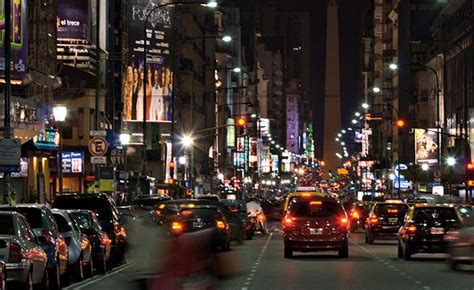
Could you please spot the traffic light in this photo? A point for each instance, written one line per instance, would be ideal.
(400, 124)
(171, 169)
(470, 166)
(241, 122)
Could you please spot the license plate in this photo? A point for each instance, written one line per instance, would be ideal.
(437, 231)
(198, 225)
(316, 231)
(392, 220)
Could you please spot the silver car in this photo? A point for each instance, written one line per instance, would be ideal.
(25, 260)
(79, 246)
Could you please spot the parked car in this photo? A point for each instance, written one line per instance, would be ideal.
(80, 258)
(46, 229)
(194, 218)
(107, 215)
(384, 220)
(99, 239)
(25, 260)
(424, 228)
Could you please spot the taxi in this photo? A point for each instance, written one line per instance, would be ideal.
(315, 224)
(302, 191)
(384, 220)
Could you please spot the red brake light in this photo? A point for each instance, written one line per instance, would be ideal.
(411, 229)
(355, 215)
(315, 203)
(344, 221)
(261, 217)
(451, 236)
(287, 221)
(177, 227)
(234, 210)
(15, 253)
(374, 219)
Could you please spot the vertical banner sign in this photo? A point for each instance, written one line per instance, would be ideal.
(230, 133)
(18, 39)
(426, 148)
(72, 19)
(247, 151)
(159, 85)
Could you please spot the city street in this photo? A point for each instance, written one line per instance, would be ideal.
(368, 267)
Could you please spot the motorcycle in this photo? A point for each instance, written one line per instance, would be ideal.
(258, 222)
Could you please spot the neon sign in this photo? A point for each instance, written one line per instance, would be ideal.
(47, 139)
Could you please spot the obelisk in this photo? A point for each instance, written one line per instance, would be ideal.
(332, 99)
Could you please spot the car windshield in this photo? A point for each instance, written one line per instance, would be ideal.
(435, 214)
(315, 209)
(33, 215)
(391, 209)
(6, 225)
(203, 213)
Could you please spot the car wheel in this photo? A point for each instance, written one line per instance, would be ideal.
(78, 270)
(344, 252)
(400, 250)
(89, 270)
(406, 253)
(101, 264)
(288, 253)
(53, 274)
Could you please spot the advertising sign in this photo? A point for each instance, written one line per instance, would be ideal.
(72, 19)
(230, 132)
(10, 154)
(253, 159)
(399, 179)
(47, 139)
(240, 144)
(18, 41)
(426, 148)
(159, 83)
(73, 162)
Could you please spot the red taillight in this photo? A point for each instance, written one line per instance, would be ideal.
(177, 227)
(344, 221)
(287, 221)
(451, 236)
(234, 210)
(411, 229)
(15, 253)
(374, 219)
(261, 217)
(220, 225)
(355, 215)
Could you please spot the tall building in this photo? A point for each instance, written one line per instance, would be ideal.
(332, 99)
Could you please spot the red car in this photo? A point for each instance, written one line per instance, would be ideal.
(315, 224)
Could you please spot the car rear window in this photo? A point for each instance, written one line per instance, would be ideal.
(6, 225)
(62, 223)
(33, 215)
(434, 214)
(315, 209)
(391, 209)
(204, 213)
(82, 220)
(100, 206)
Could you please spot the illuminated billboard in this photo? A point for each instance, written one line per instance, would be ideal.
(72, 19)
(158, 90)
(18, 41)
(73, 162)
(426, 147)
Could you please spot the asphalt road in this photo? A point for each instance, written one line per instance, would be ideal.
(368, 267)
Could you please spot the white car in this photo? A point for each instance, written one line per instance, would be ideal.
(19, 247)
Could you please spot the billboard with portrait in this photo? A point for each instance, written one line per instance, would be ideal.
(156, 91)
(426, 147)
(19, 44)
(73, 162)
(72, 19)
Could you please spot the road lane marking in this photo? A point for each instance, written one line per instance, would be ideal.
(91, 281)
(257, 263)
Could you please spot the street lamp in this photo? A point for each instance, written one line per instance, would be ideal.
(365, 105)
(451, 161)
(211, 4)
(393, 66)
(237, 69)
(354, 121)
(425, 167)
(357, 114)
(376, 90)
(125, 140)
(188, 143)
(60, 113)
(227, 38)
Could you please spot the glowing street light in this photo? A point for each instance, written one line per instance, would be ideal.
(354, 121)
(211, 4)
(365, 105)
(124, 138)
(357, 114)
(60, 113)
(393, 66)
(237, 69)
(376, 90)
(451, 161)
(425, 167)
(187, 141)
(227, 38)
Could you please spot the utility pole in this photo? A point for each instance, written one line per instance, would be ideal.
(97, 83)
(7, 101)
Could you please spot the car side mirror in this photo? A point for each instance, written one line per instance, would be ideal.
(3, 244)
(41, 240)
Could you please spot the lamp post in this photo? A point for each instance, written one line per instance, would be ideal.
(450, 161)
(125, 140)
(188, 142)
(60, 113)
